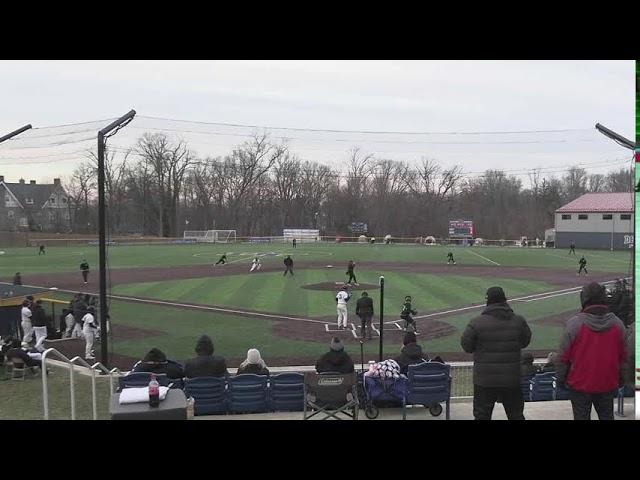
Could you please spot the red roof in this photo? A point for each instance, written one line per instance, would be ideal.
(600, 202)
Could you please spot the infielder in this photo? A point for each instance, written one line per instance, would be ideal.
(572, 248)
(450, 259)
(341, 300)
(84, 268)
(583, 265)
(256, 265)
(223, 259)
(288, 263)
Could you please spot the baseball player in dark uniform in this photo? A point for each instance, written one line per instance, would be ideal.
(450, 259)
(41, 251)
(572, 248)
(583, 265)
(288, 263)
(350, 266)
(223, 259)
(294, 243)
(84, 268)
(405, 314)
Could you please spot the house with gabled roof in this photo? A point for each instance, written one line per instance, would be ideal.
(34, 207)
(596, 220)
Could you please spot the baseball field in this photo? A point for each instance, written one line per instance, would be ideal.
(166, 296)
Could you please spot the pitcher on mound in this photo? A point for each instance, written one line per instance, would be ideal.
(256, 265)
(341, 300)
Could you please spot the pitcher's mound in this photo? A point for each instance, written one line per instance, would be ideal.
(334, 286)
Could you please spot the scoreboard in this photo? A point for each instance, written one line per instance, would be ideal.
(461, 229)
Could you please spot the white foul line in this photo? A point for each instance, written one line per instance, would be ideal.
(485, 258)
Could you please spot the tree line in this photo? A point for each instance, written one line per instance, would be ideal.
(159, 187)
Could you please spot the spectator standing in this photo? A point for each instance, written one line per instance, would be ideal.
(39, 321)
(206, 364)
(26, 324)
(335, 360)
(496, 339)
(592, 355)
(411, 353)
(253, 364)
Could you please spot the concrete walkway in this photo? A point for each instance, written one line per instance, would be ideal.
(461, 410)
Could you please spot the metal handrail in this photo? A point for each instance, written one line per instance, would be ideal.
(75, 360)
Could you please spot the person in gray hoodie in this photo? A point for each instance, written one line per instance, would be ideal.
(592, 356)
(496, 339)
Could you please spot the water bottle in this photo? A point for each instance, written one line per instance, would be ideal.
(190, 408)
(154, 392)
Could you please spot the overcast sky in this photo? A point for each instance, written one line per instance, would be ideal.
(398, 96)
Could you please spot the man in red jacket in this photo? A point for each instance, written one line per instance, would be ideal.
(592, 354)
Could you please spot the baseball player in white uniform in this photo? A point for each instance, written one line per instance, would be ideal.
(341, 299)
(256, 265)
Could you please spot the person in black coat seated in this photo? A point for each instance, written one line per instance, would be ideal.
(206, 364)
(156, 362)
(335, 360)
(411, 353)
(527, 368)
(253, 364)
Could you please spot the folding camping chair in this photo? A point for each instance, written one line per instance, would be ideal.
(330, 394)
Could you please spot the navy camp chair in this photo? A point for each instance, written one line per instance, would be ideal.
(208, 394)
(524, 386)
(248, 393)
(141, 379)
(287, 392)
(541, 387)
(428, 384)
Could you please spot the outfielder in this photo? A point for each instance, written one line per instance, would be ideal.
(341, 300)
(256, 265)
(572, 248)
(583, 265)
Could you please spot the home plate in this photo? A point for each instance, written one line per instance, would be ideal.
(53, 288)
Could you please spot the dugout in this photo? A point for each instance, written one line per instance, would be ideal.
(11, 298)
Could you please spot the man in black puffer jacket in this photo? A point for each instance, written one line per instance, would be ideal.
(411, 353)
(206, 364)
(156, 362)
(335, 360)
(496, 339)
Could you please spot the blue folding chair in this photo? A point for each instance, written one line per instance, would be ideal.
(286, 392)
(248, 393)
(541, 387)
(525, 387)
(141, 379)
(560, 392)
(209, 394)
(428, 384)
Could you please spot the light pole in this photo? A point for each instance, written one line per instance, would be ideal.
(14, 133)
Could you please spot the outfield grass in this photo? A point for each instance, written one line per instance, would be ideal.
(67, 259)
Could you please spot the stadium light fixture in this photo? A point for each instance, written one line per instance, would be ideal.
(616, 137)
(14, 133)
(103, 134)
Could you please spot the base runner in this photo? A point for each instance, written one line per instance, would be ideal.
(255, 265)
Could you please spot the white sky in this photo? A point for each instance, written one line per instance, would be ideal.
(415, 96)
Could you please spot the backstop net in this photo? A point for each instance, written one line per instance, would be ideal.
(301, 235)
(210, 236)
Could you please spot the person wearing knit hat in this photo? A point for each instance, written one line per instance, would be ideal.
(496, 338)
(335, 360)
(593, 355)
(253, 364)
(206, 364)
(411, 353)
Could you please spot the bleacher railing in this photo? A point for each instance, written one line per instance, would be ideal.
(52, 352)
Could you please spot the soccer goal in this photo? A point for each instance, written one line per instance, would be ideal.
(210, 236)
